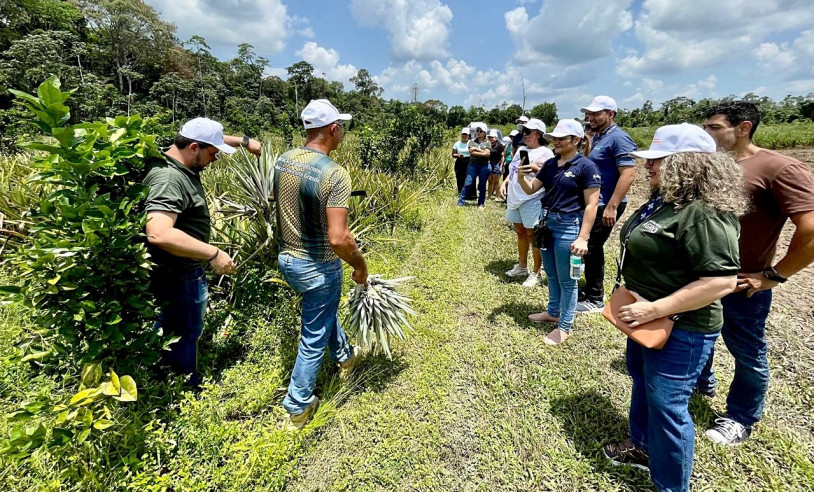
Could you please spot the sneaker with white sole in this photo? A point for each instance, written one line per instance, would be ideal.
(728, 432)
(518, 271)
(589, 306)
(297, 421)
(532, 280)
(627, 454)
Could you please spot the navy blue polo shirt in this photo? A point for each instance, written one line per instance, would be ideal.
(565, 186)
(517, 141)
(610, 150)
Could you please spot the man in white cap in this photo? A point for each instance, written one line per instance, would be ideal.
(610, 150)
(781, 189)
(312, 193)
(178, 228)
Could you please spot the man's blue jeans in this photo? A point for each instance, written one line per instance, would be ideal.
(480, 172)
(744, 333)
(181, 297)
(320, 284)
(660, 421)
(562, 289)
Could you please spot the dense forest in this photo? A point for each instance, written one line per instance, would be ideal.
(120, 57)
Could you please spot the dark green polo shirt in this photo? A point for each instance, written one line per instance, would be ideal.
(673, 248)
(175, 188)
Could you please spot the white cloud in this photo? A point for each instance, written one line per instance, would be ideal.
(419, 29)
(326, 61)
(680, 36)
(263, 23)
(568, 31)
(793, 61)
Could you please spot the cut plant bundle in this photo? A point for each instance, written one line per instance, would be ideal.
(377, 311)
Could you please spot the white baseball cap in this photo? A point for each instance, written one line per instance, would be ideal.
(506, 140)
(534, 124)
(493, 133)
(465, 130)
(320, 112)
(672, 139)
(522, 119)
(479, 124)
(600, 103)
(513, 133)
(206, 131)
(565, 128)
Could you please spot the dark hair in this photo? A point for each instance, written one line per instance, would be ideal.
(736, 112)
(183, 142)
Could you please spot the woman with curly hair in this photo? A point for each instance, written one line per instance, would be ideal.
(680, 256)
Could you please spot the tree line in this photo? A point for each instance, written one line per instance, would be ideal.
(121, 58)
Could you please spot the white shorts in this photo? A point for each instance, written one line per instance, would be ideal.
(527, 214)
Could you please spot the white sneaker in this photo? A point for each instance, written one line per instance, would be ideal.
(728, 432)
(518, 271)
(532, 280)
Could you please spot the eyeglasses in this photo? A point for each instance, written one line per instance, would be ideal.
(481, 130)
(526, 131)
(207, 147)
(340, 125)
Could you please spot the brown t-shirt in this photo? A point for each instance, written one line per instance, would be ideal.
(780, 186)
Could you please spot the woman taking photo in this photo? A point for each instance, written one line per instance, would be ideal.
(478, 169)
(460, 152)
(680, 256)
(572, 182)
(523, 209)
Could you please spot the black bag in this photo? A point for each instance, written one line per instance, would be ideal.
(542, 234)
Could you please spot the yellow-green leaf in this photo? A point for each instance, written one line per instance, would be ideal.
(102, 424)
(91, 373)
(129, 390)
(85, 396)
(114, 380)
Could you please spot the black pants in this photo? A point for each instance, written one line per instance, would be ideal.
(594, 259)
(461, 164)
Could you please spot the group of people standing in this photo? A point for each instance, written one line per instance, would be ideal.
(700, 251)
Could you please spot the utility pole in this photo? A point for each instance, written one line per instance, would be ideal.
(415, 91)
(523, 87)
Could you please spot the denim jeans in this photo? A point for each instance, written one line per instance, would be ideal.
(744, 333)
(181, 297)
(594, 259)
(480, 172)
(562, 289)
(660, 421)
(320, 284)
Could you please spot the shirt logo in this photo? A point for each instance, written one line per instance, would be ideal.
(651, 227)
(596, 176)
(569, 174)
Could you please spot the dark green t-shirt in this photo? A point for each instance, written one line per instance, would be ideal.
(484, 144)
(673, 248)
(175, 188)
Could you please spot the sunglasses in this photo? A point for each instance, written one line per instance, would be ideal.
(526, 131)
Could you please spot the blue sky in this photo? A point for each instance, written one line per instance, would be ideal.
(566, 51)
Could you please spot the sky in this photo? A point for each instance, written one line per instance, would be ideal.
(483, 53)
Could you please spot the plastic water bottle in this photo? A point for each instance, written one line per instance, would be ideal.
(576, 267)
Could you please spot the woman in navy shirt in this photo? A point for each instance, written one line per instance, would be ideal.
(572, 184)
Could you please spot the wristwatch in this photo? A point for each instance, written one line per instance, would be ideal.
(771, 274)
(245, 142)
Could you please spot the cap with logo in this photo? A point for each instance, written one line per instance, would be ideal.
(600, 103)
(534, 124)
(320, 112)
(206, 131)
(565, 128)
(672, 139)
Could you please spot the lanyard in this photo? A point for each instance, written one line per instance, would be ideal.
(652, 207)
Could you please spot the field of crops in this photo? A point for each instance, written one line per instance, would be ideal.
(785, 136)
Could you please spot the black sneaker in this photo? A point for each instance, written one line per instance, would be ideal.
(626, 453)
(708, 392)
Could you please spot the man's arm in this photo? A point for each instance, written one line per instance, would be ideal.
(343, 244)
(161, 232)
(799, 255)
(626, 176)
(234, 141)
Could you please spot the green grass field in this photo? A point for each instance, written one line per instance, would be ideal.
(784, 136)
(473, 400)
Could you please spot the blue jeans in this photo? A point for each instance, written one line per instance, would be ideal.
(744, 333)
(320, 284)
(562, 289)
(660, 421)
(481, 173)
(181, 297)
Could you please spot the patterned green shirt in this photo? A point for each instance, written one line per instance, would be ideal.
(306, 183)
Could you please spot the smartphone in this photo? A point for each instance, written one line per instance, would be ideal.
(524, 157)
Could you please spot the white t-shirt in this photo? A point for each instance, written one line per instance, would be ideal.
(515, 196)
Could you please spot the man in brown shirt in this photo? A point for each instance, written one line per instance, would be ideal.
(781, 188)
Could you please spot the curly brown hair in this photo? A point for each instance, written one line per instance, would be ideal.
(714, 178)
